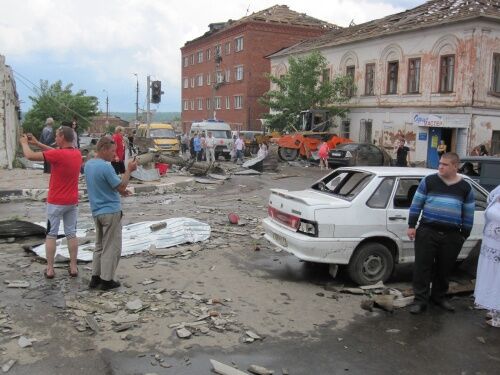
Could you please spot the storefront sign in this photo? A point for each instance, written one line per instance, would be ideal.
(422, 136)
(434, 120)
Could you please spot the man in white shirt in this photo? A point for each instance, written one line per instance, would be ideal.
(239, 145)
(210, 148)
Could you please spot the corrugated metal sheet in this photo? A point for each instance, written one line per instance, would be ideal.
(139, 237)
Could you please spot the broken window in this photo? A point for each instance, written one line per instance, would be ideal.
(447, 73)
(369, 79)
(413, 76)
(350, 73)
(496, 73)
(346, 128)
(392, 77)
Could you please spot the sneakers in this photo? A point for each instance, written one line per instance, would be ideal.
(111, 284)
(95, 281)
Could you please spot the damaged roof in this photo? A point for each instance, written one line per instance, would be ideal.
(277, 14)
(432, 13)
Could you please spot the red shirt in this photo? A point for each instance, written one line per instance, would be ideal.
(120, 147)
(65, 166)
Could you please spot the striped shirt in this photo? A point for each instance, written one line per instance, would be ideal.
(443, 207)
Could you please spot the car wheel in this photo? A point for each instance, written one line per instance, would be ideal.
(371, 263)
(288, 154)
(227, 156)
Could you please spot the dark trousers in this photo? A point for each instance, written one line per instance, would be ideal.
(435, 255)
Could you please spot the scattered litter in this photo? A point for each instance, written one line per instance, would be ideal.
(379, 285)
(247, 172)
(233, 218)
(134, 305)
(253, 335)
(91, 322)
(17, 284)
(481, 339)
(158, 226)
(25, 342)
(352, 291)
(223, 369)
(146, 174)
(393, 330)
(8, 365)
(259, 370)
(183, 333)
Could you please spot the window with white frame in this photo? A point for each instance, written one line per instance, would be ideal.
(238, 101)
(192, 81)
(200, 57)
(186, 105)
(227, 48)
(238, 44)
(191, 59)
(217, 50)
(209, 54)
(209, 79)
(208, 101)
(447, 73)
(217, 102)
(238, 72)
(413, 76)
(186, 61)
(200, 79)
(219, 77)
(192, 105)
(228, 102)
(200, 104)
(186, 82)
(227, 75)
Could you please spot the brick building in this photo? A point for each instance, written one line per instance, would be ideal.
(224, 70)
(100, 124)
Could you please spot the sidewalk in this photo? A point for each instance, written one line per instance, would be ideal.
(33, 183)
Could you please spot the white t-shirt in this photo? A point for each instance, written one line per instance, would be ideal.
(239, 144)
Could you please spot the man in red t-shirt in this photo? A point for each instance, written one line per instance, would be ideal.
(62, 200)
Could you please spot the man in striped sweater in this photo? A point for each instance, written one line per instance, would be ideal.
(446, 203)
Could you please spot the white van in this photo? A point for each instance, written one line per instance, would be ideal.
(221, 131)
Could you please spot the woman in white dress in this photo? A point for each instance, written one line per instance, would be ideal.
(487, 293)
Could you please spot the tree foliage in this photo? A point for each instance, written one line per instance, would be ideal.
(303, 87)
(60, 103)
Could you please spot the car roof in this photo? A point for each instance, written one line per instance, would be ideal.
(393, 171)
(492, 159)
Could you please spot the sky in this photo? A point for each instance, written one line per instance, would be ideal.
(98, 45)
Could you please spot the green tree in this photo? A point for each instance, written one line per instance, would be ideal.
(304, 87)
(60, 103)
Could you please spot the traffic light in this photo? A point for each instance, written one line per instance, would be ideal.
(156, 92)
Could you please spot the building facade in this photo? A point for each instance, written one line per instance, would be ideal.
(224, 72)
(429, 74)
(9, 116)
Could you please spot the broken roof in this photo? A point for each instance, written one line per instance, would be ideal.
(432, 13)
(277, 14)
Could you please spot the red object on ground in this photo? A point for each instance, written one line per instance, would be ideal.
(233, 218)
(162, 168)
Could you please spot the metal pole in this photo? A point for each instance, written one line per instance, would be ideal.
(137, 98)
(107, 106)
(148, 95)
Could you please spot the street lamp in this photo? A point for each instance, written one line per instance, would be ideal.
(107, 104)
(136, 99)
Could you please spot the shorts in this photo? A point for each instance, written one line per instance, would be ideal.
(56, 212)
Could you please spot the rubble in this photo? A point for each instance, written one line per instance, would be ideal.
(259, 370)
(8, 365)
(25, 342)
(17, 284)
(223, 369)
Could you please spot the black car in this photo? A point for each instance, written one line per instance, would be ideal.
(354, 154)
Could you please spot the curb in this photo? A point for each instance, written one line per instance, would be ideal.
(40, 194)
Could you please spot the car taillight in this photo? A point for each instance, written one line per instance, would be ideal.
(309, 228)
(284, 218)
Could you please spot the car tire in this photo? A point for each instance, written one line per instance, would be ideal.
(372, 262)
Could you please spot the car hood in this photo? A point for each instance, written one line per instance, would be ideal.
(165, 141)
(312, 198)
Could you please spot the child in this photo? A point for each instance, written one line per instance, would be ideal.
(323, 155)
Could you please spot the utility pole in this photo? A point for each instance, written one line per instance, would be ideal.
(136, 99)
(148, 96)
(107, 106)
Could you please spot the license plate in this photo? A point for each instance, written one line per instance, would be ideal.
(335, 154)
(280, 239)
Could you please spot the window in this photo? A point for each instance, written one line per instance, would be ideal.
(208, 103)
(350, 73)
(344, 184)
(227, 48)
(495, 142)
(238, 44)
(238, 72)
(200, 104)
(238, 102)
(481, 200)
(217, 102)
(365, 131)
(228, 102)
(346, 128)
(186, 82)
(392, 77)
(209, 79)
(496, 74)
(217, 50)
(325, 76)
(200, 57)
(382, 194)
(219, 77)
(200, 79)
(191, 59)
(192, 105)
(227, 75)
(413, 76)
(186, 105)
(192, 81)
(447, 73)
(209, 54)
(405, 191)
(369, 79)
(186, 61)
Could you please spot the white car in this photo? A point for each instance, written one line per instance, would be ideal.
(356, 216)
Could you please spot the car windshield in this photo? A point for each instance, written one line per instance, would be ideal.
(161, 133)
(344, 184)
(226, 134)
(347, 147)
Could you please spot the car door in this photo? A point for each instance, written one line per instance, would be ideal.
(480, 197)
(362, 156)
(375, 156)
(397, 215)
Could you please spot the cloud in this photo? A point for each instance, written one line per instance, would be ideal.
(104, 42)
